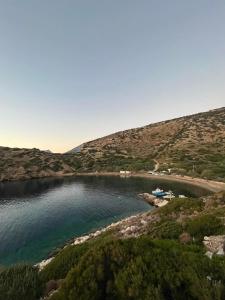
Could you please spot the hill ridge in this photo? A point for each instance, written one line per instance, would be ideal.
(192, 145)
(148, 125)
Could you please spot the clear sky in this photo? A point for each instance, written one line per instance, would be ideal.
(71, 71)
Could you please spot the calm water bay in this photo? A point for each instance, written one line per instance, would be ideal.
(37, 216)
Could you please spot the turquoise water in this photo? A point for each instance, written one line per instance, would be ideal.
(37, 216)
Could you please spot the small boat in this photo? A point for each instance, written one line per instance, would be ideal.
(169, 195)
(158, 193)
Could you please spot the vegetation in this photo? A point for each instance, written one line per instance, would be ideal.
(166, 261)
(179, 205)
(120, 269)
(166, 230)
(114, 162)
(205, 225)
(192, 145)
(209, 166)
(20, 282)
(63, 262)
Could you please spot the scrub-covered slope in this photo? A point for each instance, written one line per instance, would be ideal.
(193, 145)
(16, 163)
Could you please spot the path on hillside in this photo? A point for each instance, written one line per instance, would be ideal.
(156, 165)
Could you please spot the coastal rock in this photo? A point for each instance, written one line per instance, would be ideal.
(44, 263)
(215, 244)
(129, 230)
(81, 240)
(153, 200)
(209, 254)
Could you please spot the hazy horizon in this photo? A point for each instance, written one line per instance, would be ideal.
(74, 71)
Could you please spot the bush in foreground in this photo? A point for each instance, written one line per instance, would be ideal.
(20, 282)
(164, 270)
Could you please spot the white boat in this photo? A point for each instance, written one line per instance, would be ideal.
(169, 195)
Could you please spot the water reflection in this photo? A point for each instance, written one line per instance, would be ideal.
(28, 188)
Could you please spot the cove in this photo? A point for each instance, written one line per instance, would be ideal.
(37, 216)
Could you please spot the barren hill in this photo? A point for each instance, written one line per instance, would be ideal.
(192, 144)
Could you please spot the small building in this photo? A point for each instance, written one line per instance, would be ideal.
(125, 172)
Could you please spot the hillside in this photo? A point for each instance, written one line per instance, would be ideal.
(16, 163)
(192, 145)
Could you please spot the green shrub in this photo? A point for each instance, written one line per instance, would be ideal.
(68, 257)
(20, 282)
(205, 225)
(144, 269)
(178, 205)
(165, 230)
(63, 262)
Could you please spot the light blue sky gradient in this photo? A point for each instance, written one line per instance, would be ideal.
(71, 71)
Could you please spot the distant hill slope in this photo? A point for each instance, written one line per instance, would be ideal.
(16, 163)
(193, 145)
(76, 149)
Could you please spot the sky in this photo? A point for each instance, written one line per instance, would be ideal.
(73, 71)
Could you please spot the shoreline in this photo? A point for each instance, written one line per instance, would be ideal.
(211, 185)
(91, 235)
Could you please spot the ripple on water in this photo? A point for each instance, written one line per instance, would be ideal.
(37, 216)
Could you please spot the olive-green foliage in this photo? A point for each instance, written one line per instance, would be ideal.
(116, 162)
(197, 226)
(68, 257)
(181, 205)
(63, 262)
(56, 166)
(165, 230)
(204, 225)
(20, 282)
(143, 268)
(205, 165)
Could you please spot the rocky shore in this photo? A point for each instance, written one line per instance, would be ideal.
(141, 223)
(132, 226)
(153, 200)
